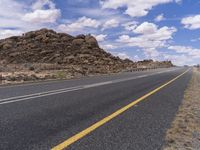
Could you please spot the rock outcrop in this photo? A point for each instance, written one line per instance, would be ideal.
(47, 46)
(154, 64)
(46, 54)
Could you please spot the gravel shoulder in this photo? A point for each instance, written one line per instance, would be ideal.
(184, 133)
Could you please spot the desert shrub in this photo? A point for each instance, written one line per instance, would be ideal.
(61, 74)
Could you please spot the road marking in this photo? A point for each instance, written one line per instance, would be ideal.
(70, 89)
(44, 82)
(47, 82)
(64, 90)
(27, 98)
(88, 130)
(38, 94)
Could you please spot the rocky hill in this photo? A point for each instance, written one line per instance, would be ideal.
(154, 64)
(47, 46)
(47, 54)
(56, 55)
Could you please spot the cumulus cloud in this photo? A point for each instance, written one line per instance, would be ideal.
(122, 55)
(10, 13)
(152, 53)
(39, 4)
(136, 58)
(8, 33)
(42, 15)
(130, 26)
(11, 8)
(125, 55)
(159, 18)
(19, 16)
(108, 46)
(149, 38)
(146, 28)
(100, 37)
(191, 22)
(179, 60)
(79, 25)
(110, 24)
(134, 8)
(190, 51)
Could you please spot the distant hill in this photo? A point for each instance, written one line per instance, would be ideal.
(154, 64)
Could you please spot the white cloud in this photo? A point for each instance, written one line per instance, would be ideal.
(146, 28)
(8, 33)
(11, 8)
(152, 53)
(149, 39)
(192, 22)
(110, 24)
(159, 18)
(100, 37)
(108, 46)
(39, 4)
(179, 60)
(42, 16)
(190, 51)
(122, 55)
(135, 8)
(136, 58)
(10, 13)
(21, 16)
(130, 26)
(79, 25)
(150, 36)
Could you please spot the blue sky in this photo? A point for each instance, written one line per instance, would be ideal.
(139, 29)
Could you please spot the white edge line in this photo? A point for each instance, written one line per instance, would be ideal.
(54, 92)
(44, 82)
(37, 94)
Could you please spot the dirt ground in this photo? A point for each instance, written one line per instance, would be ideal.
(184, 133)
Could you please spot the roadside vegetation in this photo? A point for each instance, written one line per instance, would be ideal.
(184, 133)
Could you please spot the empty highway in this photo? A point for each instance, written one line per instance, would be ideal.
(120, 112)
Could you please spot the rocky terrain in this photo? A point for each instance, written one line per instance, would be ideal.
(153, 64)
(45, 54)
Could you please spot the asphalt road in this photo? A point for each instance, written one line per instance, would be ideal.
(43, 115)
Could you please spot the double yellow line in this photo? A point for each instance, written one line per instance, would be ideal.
(86, 131)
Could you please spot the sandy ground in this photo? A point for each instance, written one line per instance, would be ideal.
(184, 133)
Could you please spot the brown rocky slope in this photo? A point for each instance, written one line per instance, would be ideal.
(47, 54)
(47, 46)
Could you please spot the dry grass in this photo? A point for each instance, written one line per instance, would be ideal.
(184, 133)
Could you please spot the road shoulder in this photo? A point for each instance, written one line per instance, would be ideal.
(184, 133)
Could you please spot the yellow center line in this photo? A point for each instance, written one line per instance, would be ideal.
(86, 131)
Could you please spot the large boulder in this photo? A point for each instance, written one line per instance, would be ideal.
(91, 41)
(77, 42)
